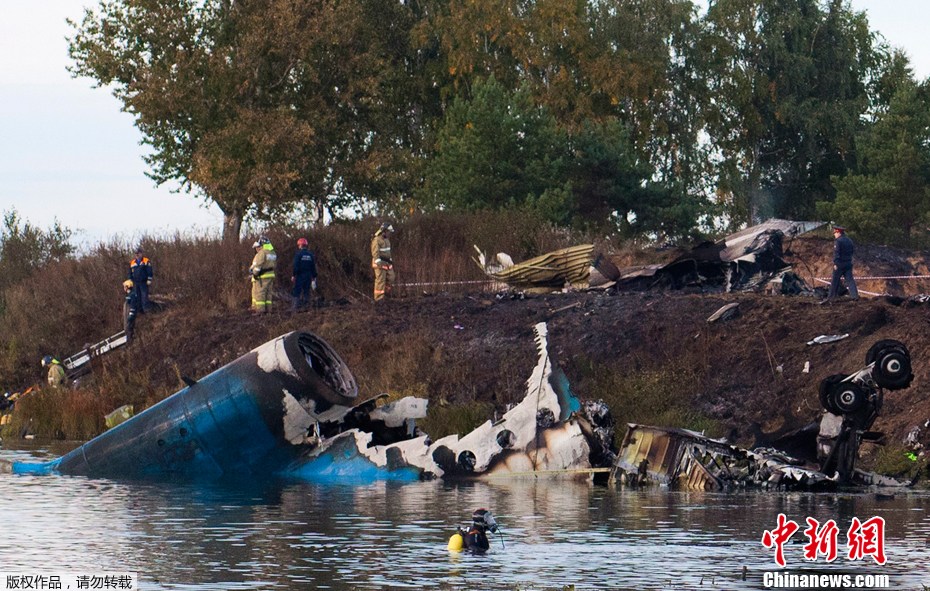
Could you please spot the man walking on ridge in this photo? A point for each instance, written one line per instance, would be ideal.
(303, 275)
(262, 272)
(381, 261)
(843, 249)
(140, 273)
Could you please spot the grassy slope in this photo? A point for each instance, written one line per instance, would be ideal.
(651, 356)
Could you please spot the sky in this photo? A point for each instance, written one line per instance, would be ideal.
(68, 153)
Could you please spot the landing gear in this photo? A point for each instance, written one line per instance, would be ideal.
(892, 360)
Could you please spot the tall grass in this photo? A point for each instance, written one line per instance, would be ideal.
(70, 304)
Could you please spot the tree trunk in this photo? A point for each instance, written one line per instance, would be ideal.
(755, 188)
(232, 224)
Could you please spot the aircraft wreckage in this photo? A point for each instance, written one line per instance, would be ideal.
(826, 451)
(748, 260)
(289, 408)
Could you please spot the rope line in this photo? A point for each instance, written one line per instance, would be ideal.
(426, 283)
(866, 278)
(871, 293)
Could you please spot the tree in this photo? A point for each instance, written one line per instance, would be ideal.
(787, 87)
(495, 150)
(888, 199)
(256, 104)
(24, 248)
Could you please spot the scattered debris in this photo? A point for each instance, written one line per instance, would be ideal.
(726, 312)
(120, 415)
(554, 270)
(749, 260)
(677, 457)
(824, 339)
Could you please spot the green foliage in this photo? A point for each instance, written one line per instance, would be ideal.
(493, 151)
(257, 104)
(455, 418)
(650, 397)
(894, 460)
(24, 248)
(787, 84)
(633, 114)
(888, 200)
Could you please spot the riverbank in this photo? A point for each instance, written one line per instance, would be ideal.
(650, 355)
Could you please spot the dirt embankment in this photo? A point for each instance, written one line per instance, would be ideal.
(460, 349)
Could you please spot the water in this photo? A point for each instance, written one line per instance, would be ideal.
(295, 535)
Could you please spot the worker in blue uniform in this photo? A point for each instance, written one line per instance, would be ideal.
(141, 274)
(843, 250)
(303, 275)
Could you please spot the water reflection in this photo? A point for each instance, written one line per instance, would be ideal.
(287, 535)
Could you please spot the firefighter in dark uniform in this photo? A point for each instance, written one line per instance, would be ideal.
(141, 274)
(303, 275)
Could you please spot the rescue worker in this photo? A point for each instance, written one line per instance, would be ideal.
(262, 272)
(141, 274)
(475, 538)
(56, 373)
(843, 249)
(381, 261)
(303, 275)
(130, 309)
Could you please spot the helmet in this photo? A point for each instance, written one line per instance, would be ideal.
(301, 242)
(839, 229)
(484, 519)
(386, 227)
(128, 284)
(264, 240)
(256, 244)
(46, 361)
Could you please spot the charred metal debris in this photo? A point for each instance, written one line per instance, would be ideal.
(818, 456)
(749, 260)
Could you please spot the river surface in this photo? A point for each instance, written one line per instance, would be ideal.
(296, 535)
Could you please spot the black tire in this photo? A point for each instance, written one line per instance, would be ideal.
(826, 390)
(892, 370)
(876, 350)
(848, 397)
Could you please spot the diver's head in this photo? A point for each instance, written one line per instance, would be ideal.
(483, 520)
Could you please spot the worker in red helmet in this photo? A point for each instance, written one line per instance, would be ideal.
(304, 274)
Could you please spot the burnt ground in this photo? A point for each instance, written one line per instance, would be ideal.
(462, 349)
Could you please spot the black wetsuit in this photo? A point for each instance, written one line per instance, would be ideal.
(475, 540)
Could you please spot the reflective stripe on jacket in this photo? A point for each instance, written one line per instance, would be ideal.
(263, 263)
(140, 271)
(380, 251)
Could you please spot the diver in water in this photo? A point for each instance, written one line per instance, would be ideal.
(475, 538)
